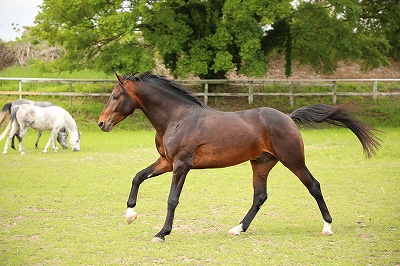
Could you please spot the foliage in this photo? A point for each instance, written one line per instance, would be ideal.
(96, 33)
(210, 38)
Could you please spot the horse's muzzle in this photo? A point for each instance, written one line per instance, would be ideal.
(105, 127)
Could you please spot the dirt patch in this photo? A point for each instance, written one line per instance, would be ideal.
(276, 70)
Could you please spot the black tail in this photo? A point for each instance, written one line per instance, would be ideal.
(7, 108)
(339, 116)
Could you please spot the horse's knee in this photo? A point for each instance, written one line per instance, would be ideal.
(172, 203)
(137, 180)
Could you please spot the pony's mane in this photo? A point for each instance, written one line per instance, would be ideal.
(165, 84)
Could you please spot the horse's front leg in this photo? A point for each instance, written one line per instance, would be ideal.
(179, 175)
(159, 167)
(37, 140)
(51, 140)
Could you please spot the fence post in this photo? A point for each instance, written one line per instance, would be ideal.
(20, 88)
(291, 100)
(206, 93)
(334, 100)
(251, 92)
(70, 97)
(375, 90)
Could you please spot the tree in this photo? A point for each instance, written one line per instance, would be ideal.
(210, 38)
(95, 33)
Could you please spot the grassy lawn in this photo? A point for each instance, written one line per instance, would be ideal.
(67, 208)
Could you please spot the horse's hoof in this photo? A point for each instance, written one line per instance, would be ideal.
(131, 215)
(327, 230)
(157, 240)
(232, 233)
(22, 152)
(130, 219)
(4, 152)
(327, 233)
(235, 231)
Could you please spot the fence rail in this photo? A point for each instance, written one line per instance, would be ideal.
(249, 83)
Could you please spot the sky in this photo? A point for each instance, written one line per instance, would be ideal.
(21, 12)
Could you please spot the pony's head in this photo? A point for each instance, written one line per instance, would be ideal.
(62, 138)
(119, 105)
(74, 140)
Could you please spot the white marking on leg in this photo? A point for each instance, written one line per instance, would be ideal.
(130, 215)
(21, 148)
(235, 231)
(6, 146)
(327, 231)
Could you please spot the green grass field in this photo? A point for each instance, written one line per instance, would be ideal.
(67, 208)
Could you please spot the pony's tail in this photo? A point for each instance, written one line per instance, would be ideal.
(5, 130)
(339, 116)
(4, 111)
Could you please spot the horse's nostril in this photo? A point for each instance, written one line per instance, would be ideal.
(100, 124)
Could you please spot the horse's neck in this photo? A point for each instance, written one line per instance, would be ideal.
(70, 124)
(162, 110)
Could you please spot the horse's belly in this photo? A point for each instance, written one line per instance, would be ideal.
(42, 125)
(214, 157)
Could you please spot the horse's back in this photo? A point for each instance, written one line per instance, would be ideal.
(24, 101)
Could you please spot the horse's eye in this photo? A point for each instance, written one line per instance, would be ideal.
(116, 96)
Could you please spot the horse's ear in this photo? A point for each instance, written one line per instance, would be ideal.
(120, 79)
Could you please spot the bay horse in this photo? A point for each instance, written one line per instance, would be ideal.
(51, 118)
(190, 135)
(61, 136)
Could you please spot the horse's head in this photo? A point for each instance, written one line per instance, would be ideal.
(119, 105)
(62, 138)
(75, 140)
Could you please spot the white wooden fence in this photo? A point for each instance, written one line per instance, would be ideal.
(249, 84)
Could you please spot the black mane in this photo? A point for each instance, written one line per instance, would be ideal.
(164, 83)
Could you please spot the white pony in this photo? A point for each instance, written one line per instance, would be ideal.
(62, 135)
(51, 118)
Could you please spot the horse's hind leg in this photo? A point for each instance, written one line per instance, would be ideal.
(313, 186)
(261, 168)
(13, 131)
